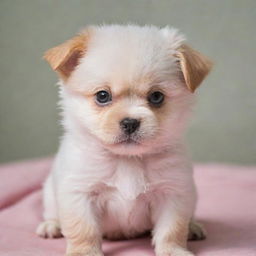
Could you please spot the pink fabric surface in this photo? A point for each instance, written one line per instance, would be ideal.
(227, 207)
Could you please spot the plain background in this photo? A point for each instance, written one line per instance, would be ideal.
(224, 124)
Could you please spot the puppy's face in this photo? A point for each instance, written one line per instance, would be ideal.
(130, 87)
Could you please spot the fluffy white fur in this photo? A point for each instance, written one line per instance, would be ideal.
(100, 186)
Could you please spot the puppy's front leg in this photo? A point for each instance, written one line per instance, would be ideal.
(171, 223)
(79, 224)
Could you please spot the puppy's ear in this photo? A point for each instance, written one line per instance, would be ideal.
(194, 66)
(65, 57)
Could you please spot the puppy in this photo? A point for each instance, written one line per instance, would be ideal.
(122, 170)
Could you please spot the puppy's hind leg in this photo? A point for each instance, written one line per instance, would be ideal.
(50, 227)
(196, 231)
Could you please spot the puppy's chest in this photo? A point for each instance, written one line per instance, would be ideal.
(132, 180)
(129, 180)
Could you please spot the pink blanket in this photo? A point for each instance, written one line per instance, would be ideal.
(227, 207)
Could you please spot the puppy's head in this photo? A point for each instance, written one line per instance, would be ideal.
(130, 87)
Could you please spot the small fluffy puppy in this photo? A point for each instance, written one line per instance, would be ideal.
(122, 169)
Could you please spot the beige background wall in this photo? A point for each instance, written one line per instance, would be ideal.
(224, 127)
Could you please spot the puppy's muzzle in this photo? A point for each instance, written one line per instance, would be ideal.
(129, 125)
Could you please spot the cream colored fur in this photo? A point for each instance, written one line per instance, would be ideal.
(101, 186)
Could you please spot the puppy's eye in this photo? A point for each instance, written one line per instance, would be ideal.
(103, 97)
(156, 98)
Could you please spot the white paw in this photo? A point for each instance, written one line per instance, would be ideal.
(181, 252)
(196, 231)
(83, 250)
(49, 229)
(175, 251)
(92, 253)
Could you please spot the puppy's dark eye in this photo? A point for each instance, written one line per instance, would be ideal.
(103, 97)
(156, 98)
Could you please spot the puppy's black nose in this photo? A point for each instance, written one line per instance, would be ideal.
(129, 125)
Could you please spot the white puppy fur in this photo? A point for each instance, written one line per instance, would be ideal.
(105, 183)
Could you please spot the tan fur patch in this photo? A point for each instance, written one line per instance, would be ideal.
(111, 116)
(178, 235)
(194, 66)
(81, 235)
(64, 57)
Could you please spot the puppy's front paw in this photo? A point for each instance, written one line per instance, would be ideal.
(196, 231)
(174, 251)
(89, 251)
(49, 229)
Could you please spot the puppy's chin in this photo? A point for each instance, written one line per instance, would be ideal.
(129, 149)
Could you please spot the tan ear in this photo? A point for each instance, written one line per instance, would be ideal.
(194, 66)
(65, 57)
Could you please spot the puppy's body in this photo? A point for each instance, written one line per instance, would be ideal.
(124, 190)
(111, 179)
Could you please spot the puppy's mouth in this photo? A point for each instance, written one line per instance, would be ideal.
(129, 140)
